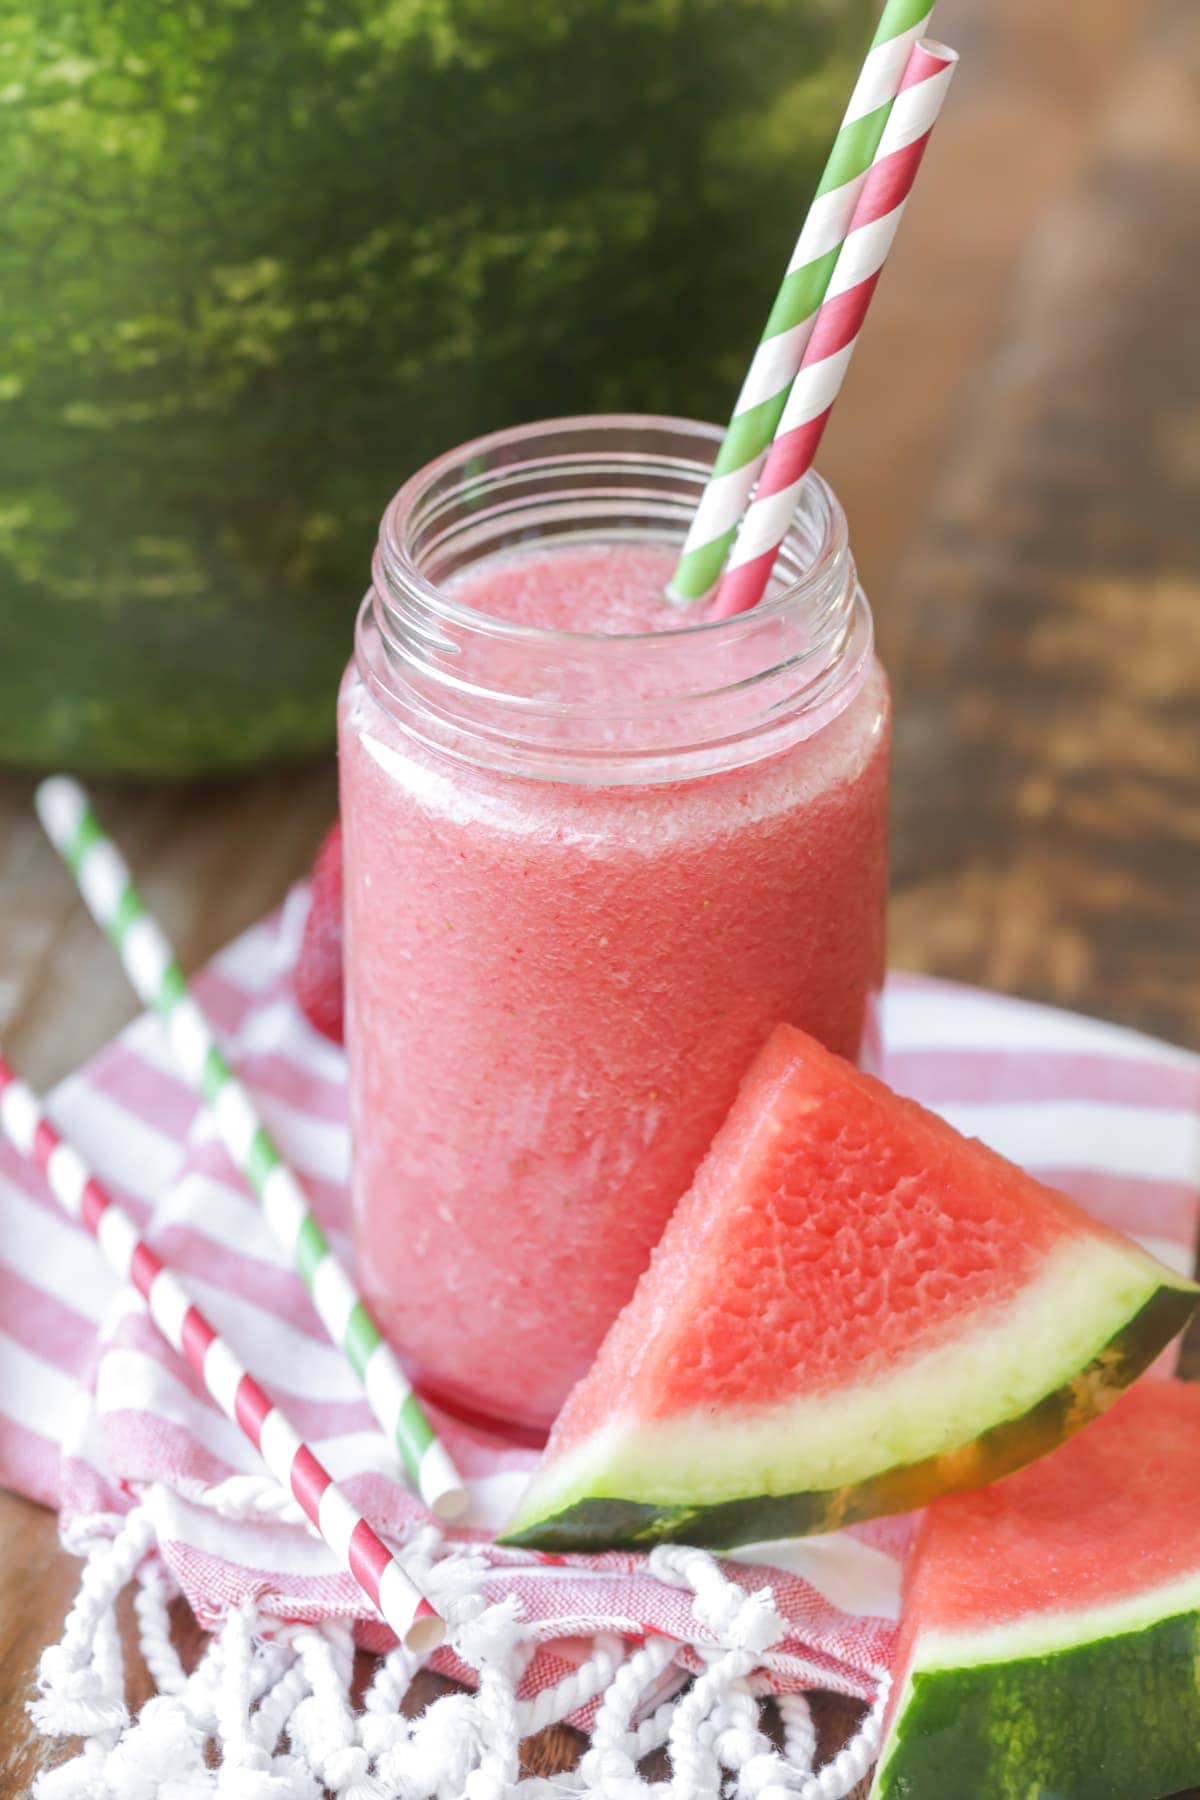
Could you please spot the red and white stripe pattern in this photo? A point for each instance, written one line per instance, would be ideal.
(835, 331)
(112, 897)
(357, 1547)
(777, 358)
(94, 1407)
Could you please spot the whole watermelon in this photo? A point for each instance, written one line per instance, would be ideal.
(259, 259)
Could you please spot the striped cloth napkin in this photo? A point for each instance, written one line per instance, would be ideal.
(97, 1416)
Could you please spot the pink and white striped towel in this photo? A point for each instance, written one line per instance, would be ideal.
(97, 1416)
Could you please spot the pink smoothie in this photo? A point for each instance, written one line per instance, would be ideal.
(553, 992)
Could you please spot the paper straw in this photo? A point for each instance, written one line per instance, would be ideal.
(108, 888)
(357, 1547)
(765, 389)
(837, 325)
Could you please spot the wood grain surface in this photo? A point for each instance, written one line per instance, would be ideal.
(1019, 453)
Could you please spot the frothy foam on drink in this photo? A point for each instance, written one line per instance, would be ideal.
(615, 589)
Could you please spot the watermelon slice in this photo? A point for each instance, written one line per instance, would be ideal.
(318, 978)
(852, 1310)
(1051, 1629)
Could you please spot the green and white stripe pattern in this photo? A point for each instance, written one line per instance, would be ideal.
(228, 1382)
(765, 389)
(109, 891)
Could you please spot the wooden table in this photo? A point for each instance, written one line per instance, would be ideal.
(1019, 452)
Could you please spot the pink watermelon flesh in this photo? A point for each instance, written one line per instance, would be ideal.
(1111, 1513)
(1051, 1623)
(854, 1308)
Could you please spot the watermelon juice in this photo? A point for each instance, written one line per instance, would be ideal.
(595, 849)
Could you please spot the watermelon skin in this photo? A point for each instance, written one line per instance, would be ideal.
(604, 1523)
(1042, 1728)
(1051, 1624)
(260, 262)
(852, 1311)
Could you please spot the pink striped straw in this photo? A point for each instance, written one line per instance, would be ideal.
(357, 1547)
(839, 320)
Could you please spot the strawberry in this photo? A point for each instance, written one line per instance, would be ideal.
(318, 973)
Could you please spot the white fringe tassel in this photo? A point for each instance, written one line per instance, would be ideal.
(267, 1715)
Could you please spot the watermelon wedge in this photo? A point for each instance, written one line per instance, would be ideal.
(852, 1310)
(1051, 1628)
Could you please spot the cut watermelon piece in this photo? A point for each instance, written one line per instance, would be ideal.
(852, 1310)
(318, 978)
(1051, 1629)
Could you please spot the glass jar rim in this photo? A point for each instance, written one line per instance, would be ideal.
(597, 707)
(395, 559)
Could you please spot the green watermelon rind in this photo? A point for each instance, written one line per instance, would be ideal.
(261, 262)
(1005, 1726)
(600, 1522)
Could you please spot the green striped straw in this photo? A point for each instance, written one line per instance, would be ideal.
(765, 390)
(146, 955)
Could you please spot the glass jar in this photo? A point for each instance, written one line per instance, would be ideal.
(586, 873)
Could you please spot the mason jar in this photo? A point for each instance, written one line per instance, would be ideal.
(596, 847)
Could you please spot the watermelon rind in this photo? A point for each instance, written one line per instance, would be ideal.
(261, 261)
(1028, 1708)
(990, 1398)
